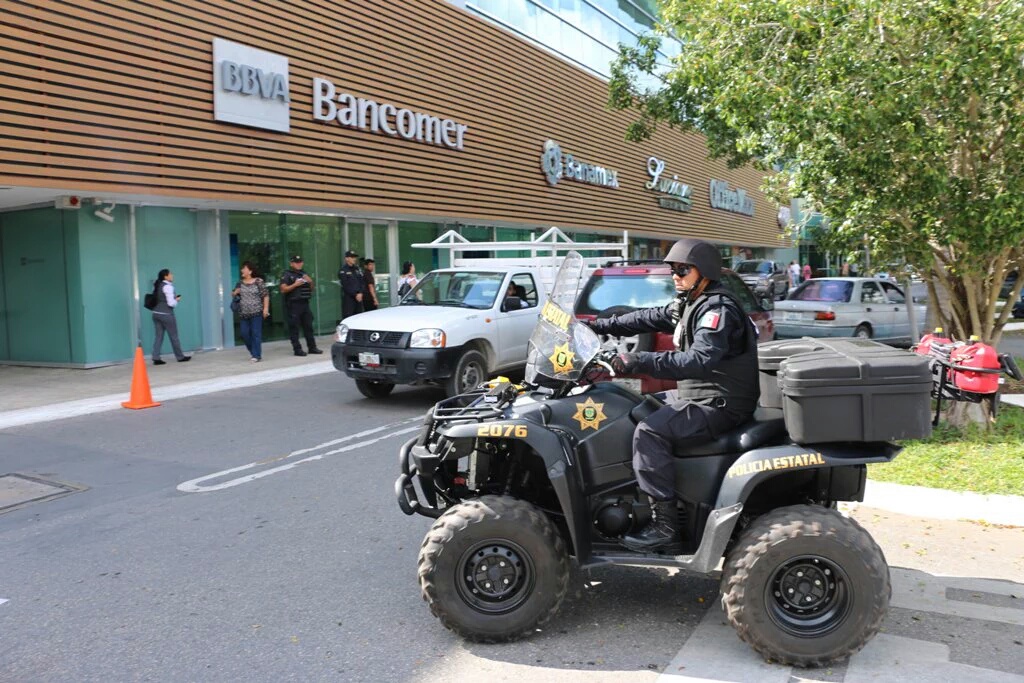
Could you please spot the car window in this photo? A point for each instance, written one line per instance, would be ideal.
(526, 290)
(895, 293)
(606, 291)
(742, 292)
(871, 293)
(836, 291)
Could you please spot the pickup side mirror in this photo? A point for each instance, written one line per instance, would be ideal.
(511, 303)
(767, 304)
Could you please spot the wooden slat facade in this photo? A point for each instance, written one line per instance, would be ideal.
(118, 97)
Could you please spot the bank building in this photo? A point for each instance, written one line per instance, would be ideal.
(197, 134)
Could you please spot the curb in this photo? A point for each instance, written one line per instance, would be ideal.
(919, 501)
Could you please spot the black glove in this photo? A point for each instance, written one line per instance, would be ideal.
(594, 325)
(623, 363)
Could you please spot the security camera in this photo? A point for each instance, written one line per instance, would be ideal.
(103, 215)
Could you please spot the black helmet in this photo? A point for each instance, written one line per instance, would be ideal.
(704, 255)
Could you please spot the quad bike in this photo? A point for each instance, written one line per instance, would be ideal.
(524, 480)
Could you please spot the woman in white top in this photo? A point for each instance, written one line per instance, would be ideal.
(408, 279)
(163, 317)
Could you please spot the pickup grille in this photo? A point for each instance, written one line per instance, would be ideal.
(366, 337)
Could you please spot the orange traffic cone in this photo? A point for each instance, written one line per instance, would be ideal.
(140, 396)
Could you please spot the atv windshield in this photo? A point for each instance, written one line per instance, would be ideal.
(561, 347)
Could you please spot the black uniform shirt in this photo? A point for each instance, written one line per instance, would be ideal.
(301, 293)
(351, 279)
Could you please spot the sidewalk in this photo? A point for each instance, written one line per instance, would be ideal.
(32, 394)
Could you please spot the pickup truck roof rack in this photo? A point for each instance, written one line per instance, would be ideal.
(633, 262)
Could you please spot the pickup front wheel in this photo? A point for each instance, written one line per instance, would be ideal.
(470, 372)
(373, 389)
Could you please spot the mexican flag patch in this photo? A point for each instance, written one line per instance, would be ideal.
(710, 320)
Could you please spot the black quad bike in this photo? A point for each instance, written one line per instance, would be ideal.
(525, 479)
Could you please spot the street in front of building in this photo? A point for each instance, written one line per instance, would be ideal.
(253, 534)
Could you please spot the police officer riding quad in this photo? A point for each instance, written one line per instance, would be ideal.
(526, 479)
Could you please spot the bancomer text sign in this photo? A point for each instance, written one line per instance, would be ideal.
(368, 115)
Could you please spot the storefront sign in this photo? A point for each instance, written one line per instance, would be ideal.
(557, 166)
(250, 86)
(676, 195)
(368, 115)
(736, 200)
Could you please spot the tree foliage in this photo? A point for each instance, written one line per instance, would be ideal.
(899, 120)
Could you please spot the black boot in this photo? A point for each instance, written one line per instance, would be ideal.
(662, 533)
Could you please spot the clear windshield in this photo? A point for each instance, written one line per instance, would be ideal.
(465, 289)
(560, 347)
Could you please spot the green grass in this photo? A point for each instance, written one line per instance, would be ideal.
(969, 460)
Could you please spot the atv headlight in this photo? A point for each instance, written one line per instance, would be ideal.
(342, 333)
(427, 339)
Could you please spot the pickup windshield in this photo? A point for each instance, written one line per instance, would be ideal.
(464, 289)
(752, 267)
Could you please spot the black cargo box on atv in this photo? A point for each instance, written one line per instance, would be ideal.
(855, 390)
(769, 358)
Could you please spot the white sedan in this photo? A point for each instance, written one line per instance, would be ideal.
(846, 307)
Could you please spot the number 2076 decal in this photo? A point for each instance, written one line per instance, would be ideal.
(517, 431)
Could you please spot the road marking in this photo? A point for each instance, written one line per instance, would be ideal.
(923, 592)
(390, 430)
(888, 659)
(3, 600)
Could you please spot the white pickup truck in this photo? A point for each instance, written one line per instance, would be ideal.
(457, 327)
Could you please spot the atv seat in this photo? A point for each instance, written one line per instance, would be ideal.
(766, 427)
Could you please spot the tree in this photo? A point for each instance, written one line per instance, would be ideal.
(901, 120)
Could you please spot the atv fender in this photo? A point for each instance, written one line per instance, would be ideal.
(557, 453)
(756, 466)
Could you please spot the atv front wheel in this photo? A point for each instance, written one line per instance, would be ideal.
(493, 569)
(806, 586)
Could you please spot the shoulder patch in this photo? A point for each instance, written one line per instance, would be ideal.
(711, 320)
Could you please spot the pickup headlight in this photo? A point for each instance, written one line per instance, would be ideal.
(762, 281)
(342, 333)
(427, 339)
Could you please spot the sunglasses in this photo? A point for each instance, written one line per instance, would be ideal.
(681, 269)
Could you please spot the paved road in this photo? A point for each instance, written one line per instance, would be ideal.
(253, 535)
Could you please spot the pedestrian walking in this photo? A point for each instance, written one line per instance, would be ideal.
(370, 302)
(408, 279)
(353, 286)
(163, 317)
(253, 309)
(297, 287)
(806, 272)
(845, 271)
(794, 274)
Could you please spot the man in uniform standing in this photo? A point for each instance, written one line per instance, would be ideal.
(297, 288)
(352, 284)
(715, 364)
(370, 295)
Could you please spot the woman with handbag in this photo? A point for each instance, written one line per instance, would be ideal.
(165, 300)
(251, 302)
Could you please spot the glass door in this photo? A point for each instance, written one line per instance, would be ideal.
(375, 239)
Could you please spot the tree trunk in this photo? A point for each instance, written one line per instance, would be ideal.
(961, 414)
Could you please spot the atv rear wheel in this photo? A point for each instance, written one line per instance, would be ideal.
(493, 569)
(806, 586)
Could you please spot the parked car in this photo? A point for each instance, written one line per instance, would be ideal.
(626, 286)
(1018, 308)
(765, 278)
(455, 328)
(846, 307)
(1008, 284)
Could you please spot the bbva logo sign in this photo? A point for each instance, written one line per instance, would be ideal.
(250, 86)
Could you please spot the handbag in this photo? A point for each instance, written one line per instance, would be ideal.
(149, 301)
(236, 303)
